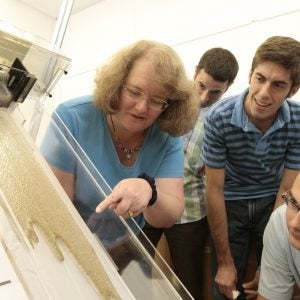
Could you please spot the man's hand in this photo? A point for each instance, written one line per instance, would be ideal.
(226, 279)
(250, 288)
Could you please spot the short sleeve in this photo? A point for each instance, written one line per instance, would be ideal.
(276, 280)
(172, 162)
(213, 148)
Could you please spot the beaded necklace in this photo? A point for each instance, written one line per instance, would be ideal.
(128, 152)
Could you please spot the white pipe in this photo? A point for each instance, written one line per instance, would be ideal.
(62, 22)
(57, 39)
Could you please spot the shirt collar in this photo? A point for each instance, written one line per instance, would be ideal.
(240, 118)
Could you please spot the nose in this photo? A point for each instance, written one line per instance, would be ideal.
(203, 96)
(265, 90)
(142, 104)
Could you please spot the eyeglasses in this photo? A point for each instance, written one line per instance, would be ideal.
(137, 95)
(290, 201)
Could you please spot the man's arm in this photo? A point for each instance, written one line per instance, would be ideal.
(287, 180)
(226, 276)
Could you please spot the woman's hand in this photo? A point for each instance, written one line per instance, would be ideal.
(128, 198)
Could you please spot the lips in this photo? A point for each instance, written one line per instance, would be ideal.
(261, 103)
(137, 117)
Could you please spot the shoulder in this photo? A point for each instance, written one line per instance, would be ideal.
(75, 112)
(294, 109)
(76, 104)
(276, 227)
(225, 107)
(278, 216)
(160, 137)
(221, 105)
(275, 237)
(160, 144)
(81, 108)
(293, 104)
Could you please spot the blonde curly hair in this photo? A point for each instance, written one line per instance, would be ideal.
(182, 111)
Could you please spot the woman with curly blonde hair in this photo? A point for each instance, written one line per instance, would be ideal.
(130, 129)
(168, 72)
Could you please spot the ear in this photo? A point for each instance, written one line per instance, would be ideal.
(294, 90)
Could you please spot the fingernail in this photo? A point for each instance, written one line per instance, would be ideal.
(98, 209)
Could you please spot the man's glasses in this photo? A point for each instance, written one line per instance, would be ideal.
(137, 95)
(290, 201)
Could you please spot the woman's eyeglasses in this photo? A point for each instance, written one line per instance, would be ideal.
(137, 95)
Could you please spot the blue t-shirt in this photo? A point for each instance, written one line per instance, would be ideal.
(161, 155)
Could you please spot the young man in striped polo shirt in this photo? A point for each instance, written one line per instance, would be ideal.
(251, 150)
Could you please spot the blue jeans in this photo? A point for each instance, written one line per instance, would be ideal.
(247, 220)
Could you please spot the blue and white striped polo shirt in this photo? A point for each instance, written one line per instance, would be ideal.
(253, 160)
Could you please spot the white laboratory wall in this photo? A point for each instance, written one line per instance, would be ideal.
(190, 27)
(23, 17)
